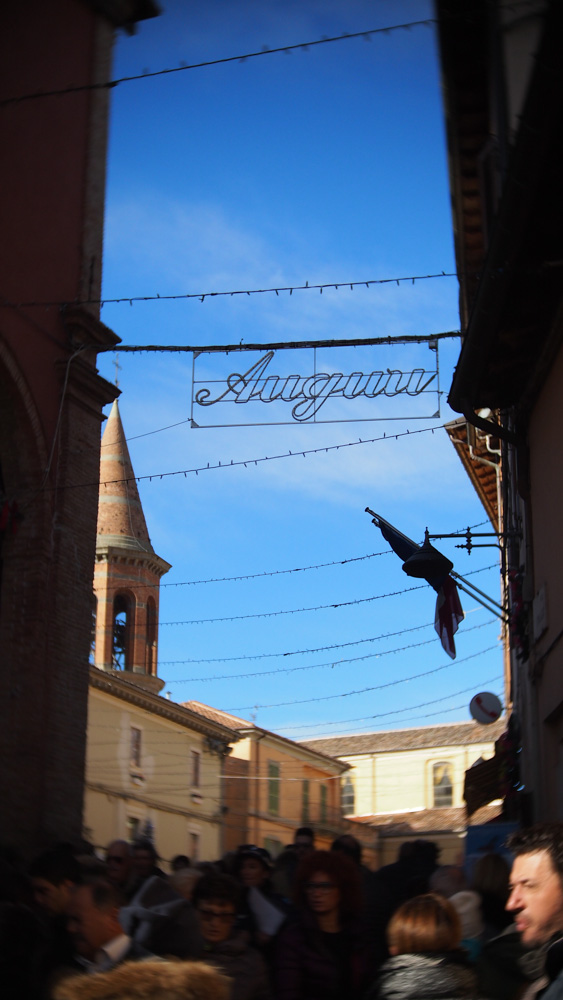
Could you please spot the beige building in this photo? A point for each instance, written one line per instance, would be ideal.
(152, 766)
(274, 785)
(409, 783)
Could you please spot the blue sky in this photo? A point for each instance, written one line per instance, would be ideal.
(325, 165)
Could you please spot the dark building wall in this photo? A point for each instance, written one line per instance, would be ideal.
(51, 399)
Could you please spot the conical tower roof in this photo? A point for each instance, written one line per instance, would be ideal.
(121, 521)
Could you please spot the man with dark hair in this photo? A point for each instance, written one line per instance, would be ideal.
(303, 842)
(216, 898)
(349, 846)
(180, 863)
(119, 862)
(53, 875)
(93, 923)
(145, 857)
(536, 898)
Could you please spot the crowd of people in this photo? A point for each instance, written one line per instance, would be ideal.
(311, 925)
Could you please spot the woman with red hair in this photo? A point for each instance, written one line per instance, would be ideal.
(321, 953)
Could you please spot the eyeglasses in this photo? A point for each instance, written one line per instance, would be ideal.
(223, 918)
(114, 859)
(320, 886)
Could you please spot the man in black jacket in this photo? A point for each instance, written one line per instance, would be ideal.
(536, 899)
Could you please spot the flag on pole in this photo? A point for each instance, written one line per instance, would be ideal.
(402, 546)
(449, 612)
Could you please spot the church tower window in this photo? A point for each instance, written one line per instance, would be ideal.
(121, 626)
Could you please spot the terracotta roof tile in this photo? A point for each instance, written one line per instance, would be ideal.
(429, 820)
(216, 715)
(452, 734)
(120, 514)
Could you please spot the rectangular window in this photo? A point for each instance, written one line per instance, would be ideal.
(195, 768)
(273, 787)
(135, 747)
(347, 796)
(323, 803)
(194, 847)
(305, 801)
(273, 845)
(442, 780)
(133, 828)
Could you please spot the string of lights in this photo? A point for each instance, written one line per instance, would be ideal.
(280, 572)
(184, 67)
(332, 663)
(367, 730)
(410, 708)
(248, 462)
(294, 611)
(202, 296)
(349, 694)
(319, 607)
(293, 652)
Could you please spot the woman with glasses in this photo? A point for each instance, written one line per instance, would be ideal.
(321, 952)
(216, 899)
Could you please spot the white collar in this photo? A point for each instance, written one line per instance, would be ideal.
(111, 953)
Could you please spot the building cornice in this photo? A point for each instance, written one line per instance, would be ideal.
(126, 690)
(130, 551)
(315, 757)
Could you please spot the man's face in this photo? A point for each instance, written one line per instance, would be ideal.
(89, 927)
(536, 898)
(252, 872)
(302, 845)
(217, 919)
(118, 860)
(143, 862)
(53, 899)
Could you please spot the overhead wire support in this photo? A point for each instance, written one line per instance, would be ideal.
(282, 345)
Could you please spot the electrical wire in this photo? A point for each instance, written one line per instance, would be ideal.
(331, 663)
(349, 694)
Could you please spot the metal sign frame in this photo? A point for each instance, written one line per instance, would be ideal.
(307, 396)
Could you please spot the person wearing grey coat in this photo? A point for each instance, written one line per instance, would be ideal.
(425, 976)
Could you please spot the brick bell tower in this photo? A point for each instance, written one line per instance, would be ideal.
(127, 572)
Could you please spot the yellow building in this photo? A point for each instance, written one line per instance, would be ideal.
(152, 767)
(410, 782)
(274, 785)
